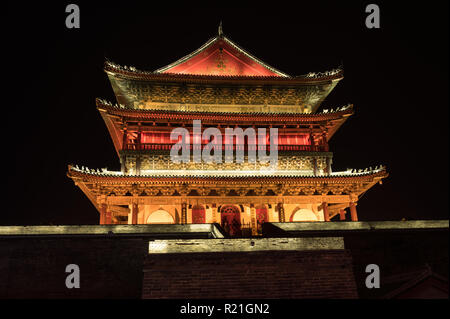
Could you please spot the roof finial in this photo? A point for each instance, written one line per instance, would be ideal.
(219, 31)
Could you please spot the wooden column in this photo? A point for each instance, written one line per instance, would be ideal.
(139, 136)
(353, 212)
(123, 158)
(324, 141)
(102, 214)
(326, 213)
(124, 138)
(139, 146)
(108, 219)
(342, 214)
(134, 213)
(253, 219)
(281, 217)
(311, 139)
(315, 166)
(214, 213)
(184, 213)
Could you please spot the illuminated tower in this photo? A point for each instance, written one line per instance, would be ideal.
(222, 85)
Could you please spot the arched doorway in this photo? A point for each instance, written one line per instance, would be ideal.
(231, 220)
(198, 214)
(303, 215)
(160, 217)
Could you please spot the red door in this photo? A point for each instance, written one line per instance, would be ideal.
(198, 214)
(261, 215)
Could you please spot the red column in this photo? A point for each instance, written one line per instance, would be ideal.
(353, 212)
(326, 214)
(139, 146)
(324, 141)
(134, 214)
(102, 214)
(125, 139)
(311, 139)
(108, 219)
(342, 214)
(183, 213)
(139, 136)
(281, 217)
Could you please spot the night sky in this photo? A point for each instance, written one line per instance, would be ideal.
(396, 76)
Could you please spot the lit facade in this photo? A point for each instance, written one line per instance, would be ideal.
(225, 87)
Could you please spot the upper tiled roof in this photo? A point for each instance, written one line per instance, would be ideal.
(220, 59)
(221, 56)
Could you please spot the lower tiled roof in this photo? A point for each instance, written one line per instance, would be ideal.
(227, 175)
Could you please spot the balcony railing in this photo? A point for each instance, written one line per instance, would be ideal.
(168, 147)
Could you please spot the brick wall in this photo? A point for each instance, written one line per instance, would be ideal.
(35, 267)
(112, 266)
(396, 253)
(265, 274)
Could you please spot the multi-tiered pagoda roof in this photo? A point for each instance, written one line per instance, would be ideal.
(222, 85)
(220, 72)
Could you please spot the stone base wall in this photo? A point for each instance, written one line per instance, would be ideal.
(270, 274)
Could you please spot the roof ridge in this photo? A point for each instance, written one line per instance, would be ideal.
(251, 56)
(188, 56)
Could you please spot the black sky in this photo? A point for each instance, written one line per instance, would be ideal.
(397, 78)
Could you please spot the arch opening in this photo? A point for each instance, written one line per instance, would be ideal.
(160, 216)
(231, 220)
(303, 215)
